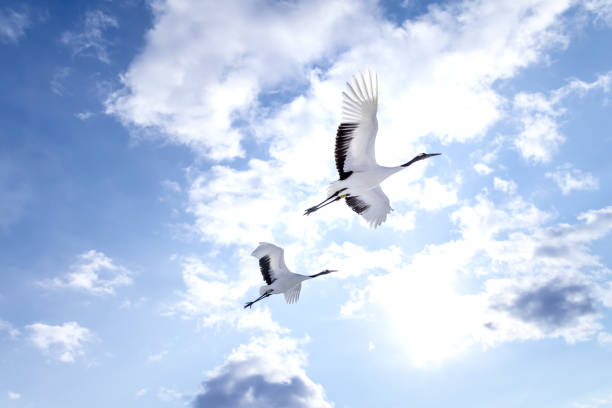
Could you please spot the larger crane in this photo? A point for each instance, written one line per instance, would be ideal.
(359, 174)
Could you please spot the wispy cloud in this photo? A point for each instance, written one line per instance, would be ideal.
(90, 40)
(568, 178)
(15, 193)
(93, 272)
(13, 24)
(168, 394)
(84, 115)
(507, 186)
(8, 327)
(14, 395)
(540, 135)
(157, 357)
(604, 400)
(602, 9)
(63, 343)
(604, 338)
(57, 81)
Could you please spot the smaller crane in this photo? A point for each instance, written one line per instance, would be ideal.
(278, 278)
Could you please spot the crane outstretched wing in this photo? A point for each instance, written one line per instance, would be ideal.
(271, 261)
(293, 294)
(356, 134)
(373, 205)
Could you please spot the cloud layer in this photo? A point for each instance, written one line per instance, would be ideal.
(536, 280)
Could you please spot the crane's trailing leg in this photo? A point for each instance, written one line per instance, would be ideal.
(334, 197)
(249, 304)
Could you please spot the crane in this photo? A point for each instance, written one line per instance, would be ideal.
(359, 174)
(278, 278)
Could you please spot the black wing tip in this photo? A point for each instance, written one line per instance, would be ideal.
(356, 204)
(344, 136)
(264, 266)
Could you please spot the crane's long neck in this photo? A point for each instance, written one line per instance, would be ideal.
(419, 157)
(325, 272)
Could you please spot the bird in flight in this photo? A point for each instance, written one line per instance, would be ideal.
(359, 174)
(278, 278)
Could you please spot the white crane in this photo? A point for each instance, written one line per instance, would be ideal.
(360, 175)
(278, 278)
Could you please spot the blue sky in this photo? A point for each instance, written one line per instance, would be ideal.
(146, 147)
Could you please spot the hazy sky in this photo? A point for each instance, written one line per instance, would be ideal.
(146, 147)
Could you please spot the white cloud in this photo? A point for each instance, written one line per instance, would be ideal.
(482, 169)
(540, 136)
(157, 357)
(8, 327)
(13, 25)
(93, 272)
(436, 195)
(353, 260)
(90, 40)
(247, 206)
(172, 186)
(507, 186)
(569, 178)
(601, 8)
(141, 392)
(603, 400)
(64, 343)
(168, 394)
(14, 395)
(402, 222)
(84, 115)
(267, 372)
(604, 338)
(130, 304)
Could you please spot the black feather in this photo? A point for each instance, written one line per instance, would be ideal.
(264, 266)
(356, 204)
(344, 136)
